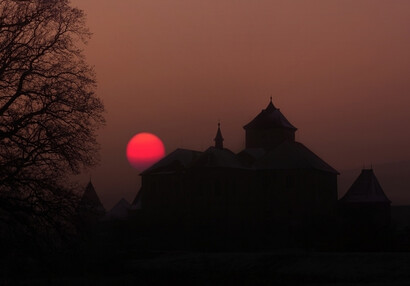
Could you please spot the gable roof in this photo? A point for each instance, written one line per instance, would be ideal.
(268, 118)
(176, 160)
(250, 155)
(120, 210)
(293, 155)
(366, 189)
(220, 158)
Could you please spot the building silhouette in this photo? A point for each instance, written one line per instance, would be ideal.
(365, 204)
(269, 129)
(364, 213)
(275, 183)
(89, 209)
(275, 189)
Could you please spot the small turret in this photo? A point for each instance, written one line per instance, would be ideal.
(218, 138)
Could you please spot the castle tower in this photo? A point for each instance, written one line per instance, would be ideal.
(364, 213)
(366, 189)
(90, 208)
(269, 129)
(218, 138)
(91, 199)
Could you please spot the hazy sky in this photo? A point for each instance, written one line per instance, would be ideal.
(338, 70)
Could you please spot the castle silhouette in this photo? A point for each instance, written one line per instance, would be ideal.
(274, 181)
(275, 186)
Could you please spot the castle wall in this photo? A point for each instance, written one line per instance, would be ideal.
(296, 196)
(235, 198)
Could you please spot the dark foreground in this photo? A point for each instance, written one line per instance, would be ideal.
(131, 253)
(287, 267)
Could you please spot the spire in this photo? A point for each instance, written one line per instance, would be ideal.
(270, 107)
(270, 117)
(218, 138)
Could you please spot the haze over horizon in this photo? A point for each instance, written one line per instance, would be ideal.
(338, 70)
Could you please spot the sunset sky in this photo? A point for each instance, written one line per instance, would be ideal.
(338, 70)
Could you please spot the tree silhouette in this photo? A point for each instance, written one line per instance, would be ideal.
(49, 112)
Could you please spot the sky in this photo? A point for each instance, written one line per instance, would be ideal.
(338, 70)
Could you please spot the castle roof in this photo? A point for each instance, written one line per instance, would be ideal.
(90, 207)
(218, 138)
(268, 118)
(176, 160)
(120, 210)
(90, 198)
(218, 158)
(366, 189)
(292, 155)
(250, 155)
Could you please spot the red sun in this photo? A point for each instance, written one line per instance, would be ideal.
(144, 150)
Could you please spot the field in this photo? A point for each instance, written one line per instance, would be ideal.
(286, 267)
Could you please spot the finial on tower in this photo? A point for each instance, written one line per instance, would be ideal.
(270, 106)
(218, 138)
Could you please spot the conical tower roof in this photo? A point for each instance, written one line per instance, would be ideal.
(268, 118)
(90, 198)
(366, 189)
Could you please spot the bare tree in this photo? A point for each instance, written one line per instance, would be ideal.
(49, 112)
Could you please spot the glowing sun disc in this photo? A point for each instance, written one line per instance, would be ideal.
(144, 150)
